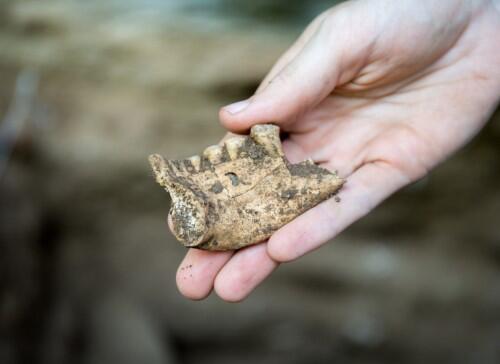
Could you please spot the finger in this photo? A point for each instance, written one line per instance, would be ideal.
(196, 274)
(293, 51)
(303, 82)
(245, 271)
(364, 190)
(328, 57)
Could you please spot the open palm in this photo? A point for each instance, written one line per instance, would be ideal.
(380, 91)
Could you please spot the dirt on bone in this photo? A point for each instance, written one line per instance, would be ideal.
(248, 183)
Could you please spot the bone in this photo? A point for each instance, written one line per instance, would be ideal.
(159, 166)
(157, 163)
(241, 197)
(233, 146)
(214, 154)
(176, 166)
(195, 162)
(267, 136)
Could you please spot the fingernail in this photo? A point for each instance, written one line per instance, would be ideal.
(237, 107)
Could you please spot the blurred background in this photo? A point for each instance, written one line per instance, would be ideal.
(87, 266)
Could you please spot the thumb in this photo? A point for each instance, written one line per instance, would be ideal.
(327, 58)
(298, 86)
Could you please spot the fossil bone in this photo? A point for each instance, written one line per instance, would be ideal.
(238, 194)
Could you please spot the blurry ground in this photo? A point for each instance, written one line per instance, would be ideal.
(86, 263)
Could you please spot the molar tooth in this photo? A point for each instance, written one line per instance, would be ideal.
(269, 137)
(233, 146)
(195, 161)
(213, 153)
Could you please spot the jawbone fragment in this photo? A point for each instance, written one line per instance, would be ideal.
(239, 193)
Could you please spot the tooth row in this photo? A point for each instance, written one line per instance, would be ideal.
(215, 153)
(191, 164)
(267, 136)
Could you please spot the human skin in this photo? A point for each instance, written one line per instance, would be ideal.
(381, 91)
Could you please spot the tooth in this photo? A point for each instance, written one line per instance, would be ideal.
(213, 153)
(233, 146)
(269, 137)
(195, 161)
(175, 165)
(309, 161)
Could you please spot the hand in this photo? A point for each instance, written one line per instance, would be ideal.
(381, 91)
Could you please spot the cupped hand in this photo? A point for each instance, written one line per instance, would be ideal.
(382, 92)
